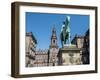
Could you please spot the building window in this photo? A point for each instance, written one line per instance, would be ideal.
(53, 41)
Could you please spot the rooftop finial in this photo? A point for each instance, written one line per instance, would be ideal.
(54, 30)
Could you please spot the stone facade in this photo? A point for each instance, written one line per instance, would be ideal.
(82, 42)
(41, 58)
(78, 41)
(86, 49)
(30, 48)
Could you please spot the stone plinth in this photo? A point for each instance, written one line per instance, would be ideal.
(69, 55)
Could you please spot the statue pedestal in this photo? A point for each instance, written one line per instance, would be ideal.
(69, 55)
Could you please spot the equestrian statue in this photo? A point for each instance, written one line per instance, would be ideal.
(65, 32)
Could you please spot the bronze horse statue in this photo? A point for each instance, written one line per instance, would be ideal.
(65, 31)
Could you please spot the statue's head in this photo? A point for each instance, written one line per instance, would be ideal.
(62, 28)
(68, 18)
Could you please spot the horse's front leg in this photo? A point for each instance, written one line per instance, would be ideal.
(62, 42)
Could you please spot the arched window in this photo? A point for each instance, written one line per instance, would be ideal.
(54, 41)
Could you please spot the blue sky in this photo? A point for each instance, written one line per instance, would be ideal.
(41, 25)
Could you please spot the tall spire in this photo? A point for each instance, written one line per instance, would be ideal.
(53, 38)
(53, 48)
(54, 32)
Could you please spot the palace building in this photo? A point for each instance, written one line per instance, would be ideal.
(77, 53)
(86, 48)
(82, 42)
(35, 58)
(78, 41)
(30, 49)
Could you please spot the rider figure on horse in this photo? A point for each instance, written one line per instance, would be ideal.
(65, 31)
